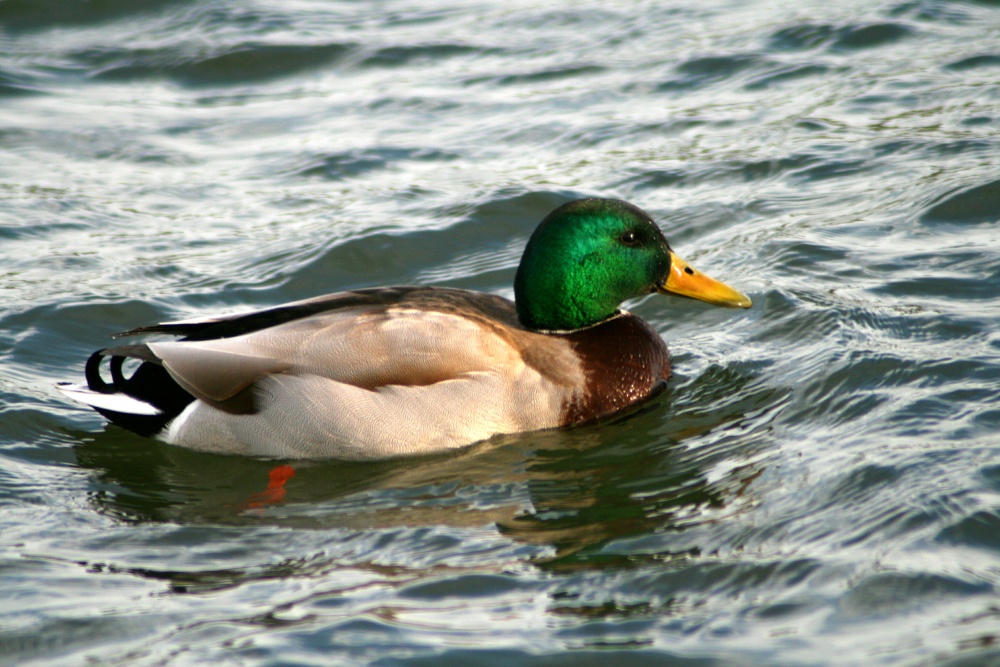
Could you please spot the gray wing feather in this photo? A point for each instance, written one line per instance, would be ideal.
(366, 385)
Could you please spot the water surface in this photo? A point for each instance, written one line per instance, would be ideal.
(820, 485)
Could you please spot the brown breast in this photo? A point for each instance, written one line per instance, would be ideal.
(624, 361)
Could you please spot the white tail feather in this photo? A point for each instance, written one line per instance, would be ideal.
(115, 402)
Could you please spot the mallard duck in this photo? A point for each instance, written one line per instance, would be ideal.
(392, 371)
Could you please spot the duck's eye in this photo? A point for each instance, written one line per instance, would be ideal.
(629, 238)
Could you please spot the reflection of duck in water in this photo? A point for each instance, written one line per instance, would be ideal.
(560, 491)
(384, 372)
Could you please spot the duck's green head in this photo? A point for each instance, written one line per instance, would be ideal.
(590, 255)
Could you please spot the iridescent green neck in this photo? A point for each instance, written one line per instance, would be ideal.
(584, 259)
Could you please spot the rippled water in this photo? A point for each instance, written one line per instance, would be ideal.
(819, 486)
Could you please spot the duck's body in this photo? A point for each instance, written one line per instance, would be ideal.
(382, 372)
(386, 372)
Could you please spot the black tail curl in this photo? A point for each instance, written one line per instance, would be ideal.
(150, 383)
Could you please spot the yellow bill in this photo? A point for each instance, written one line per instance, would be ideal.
(686, 281)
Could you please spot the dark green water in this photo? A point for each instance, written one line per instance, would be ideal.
(819, 486)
